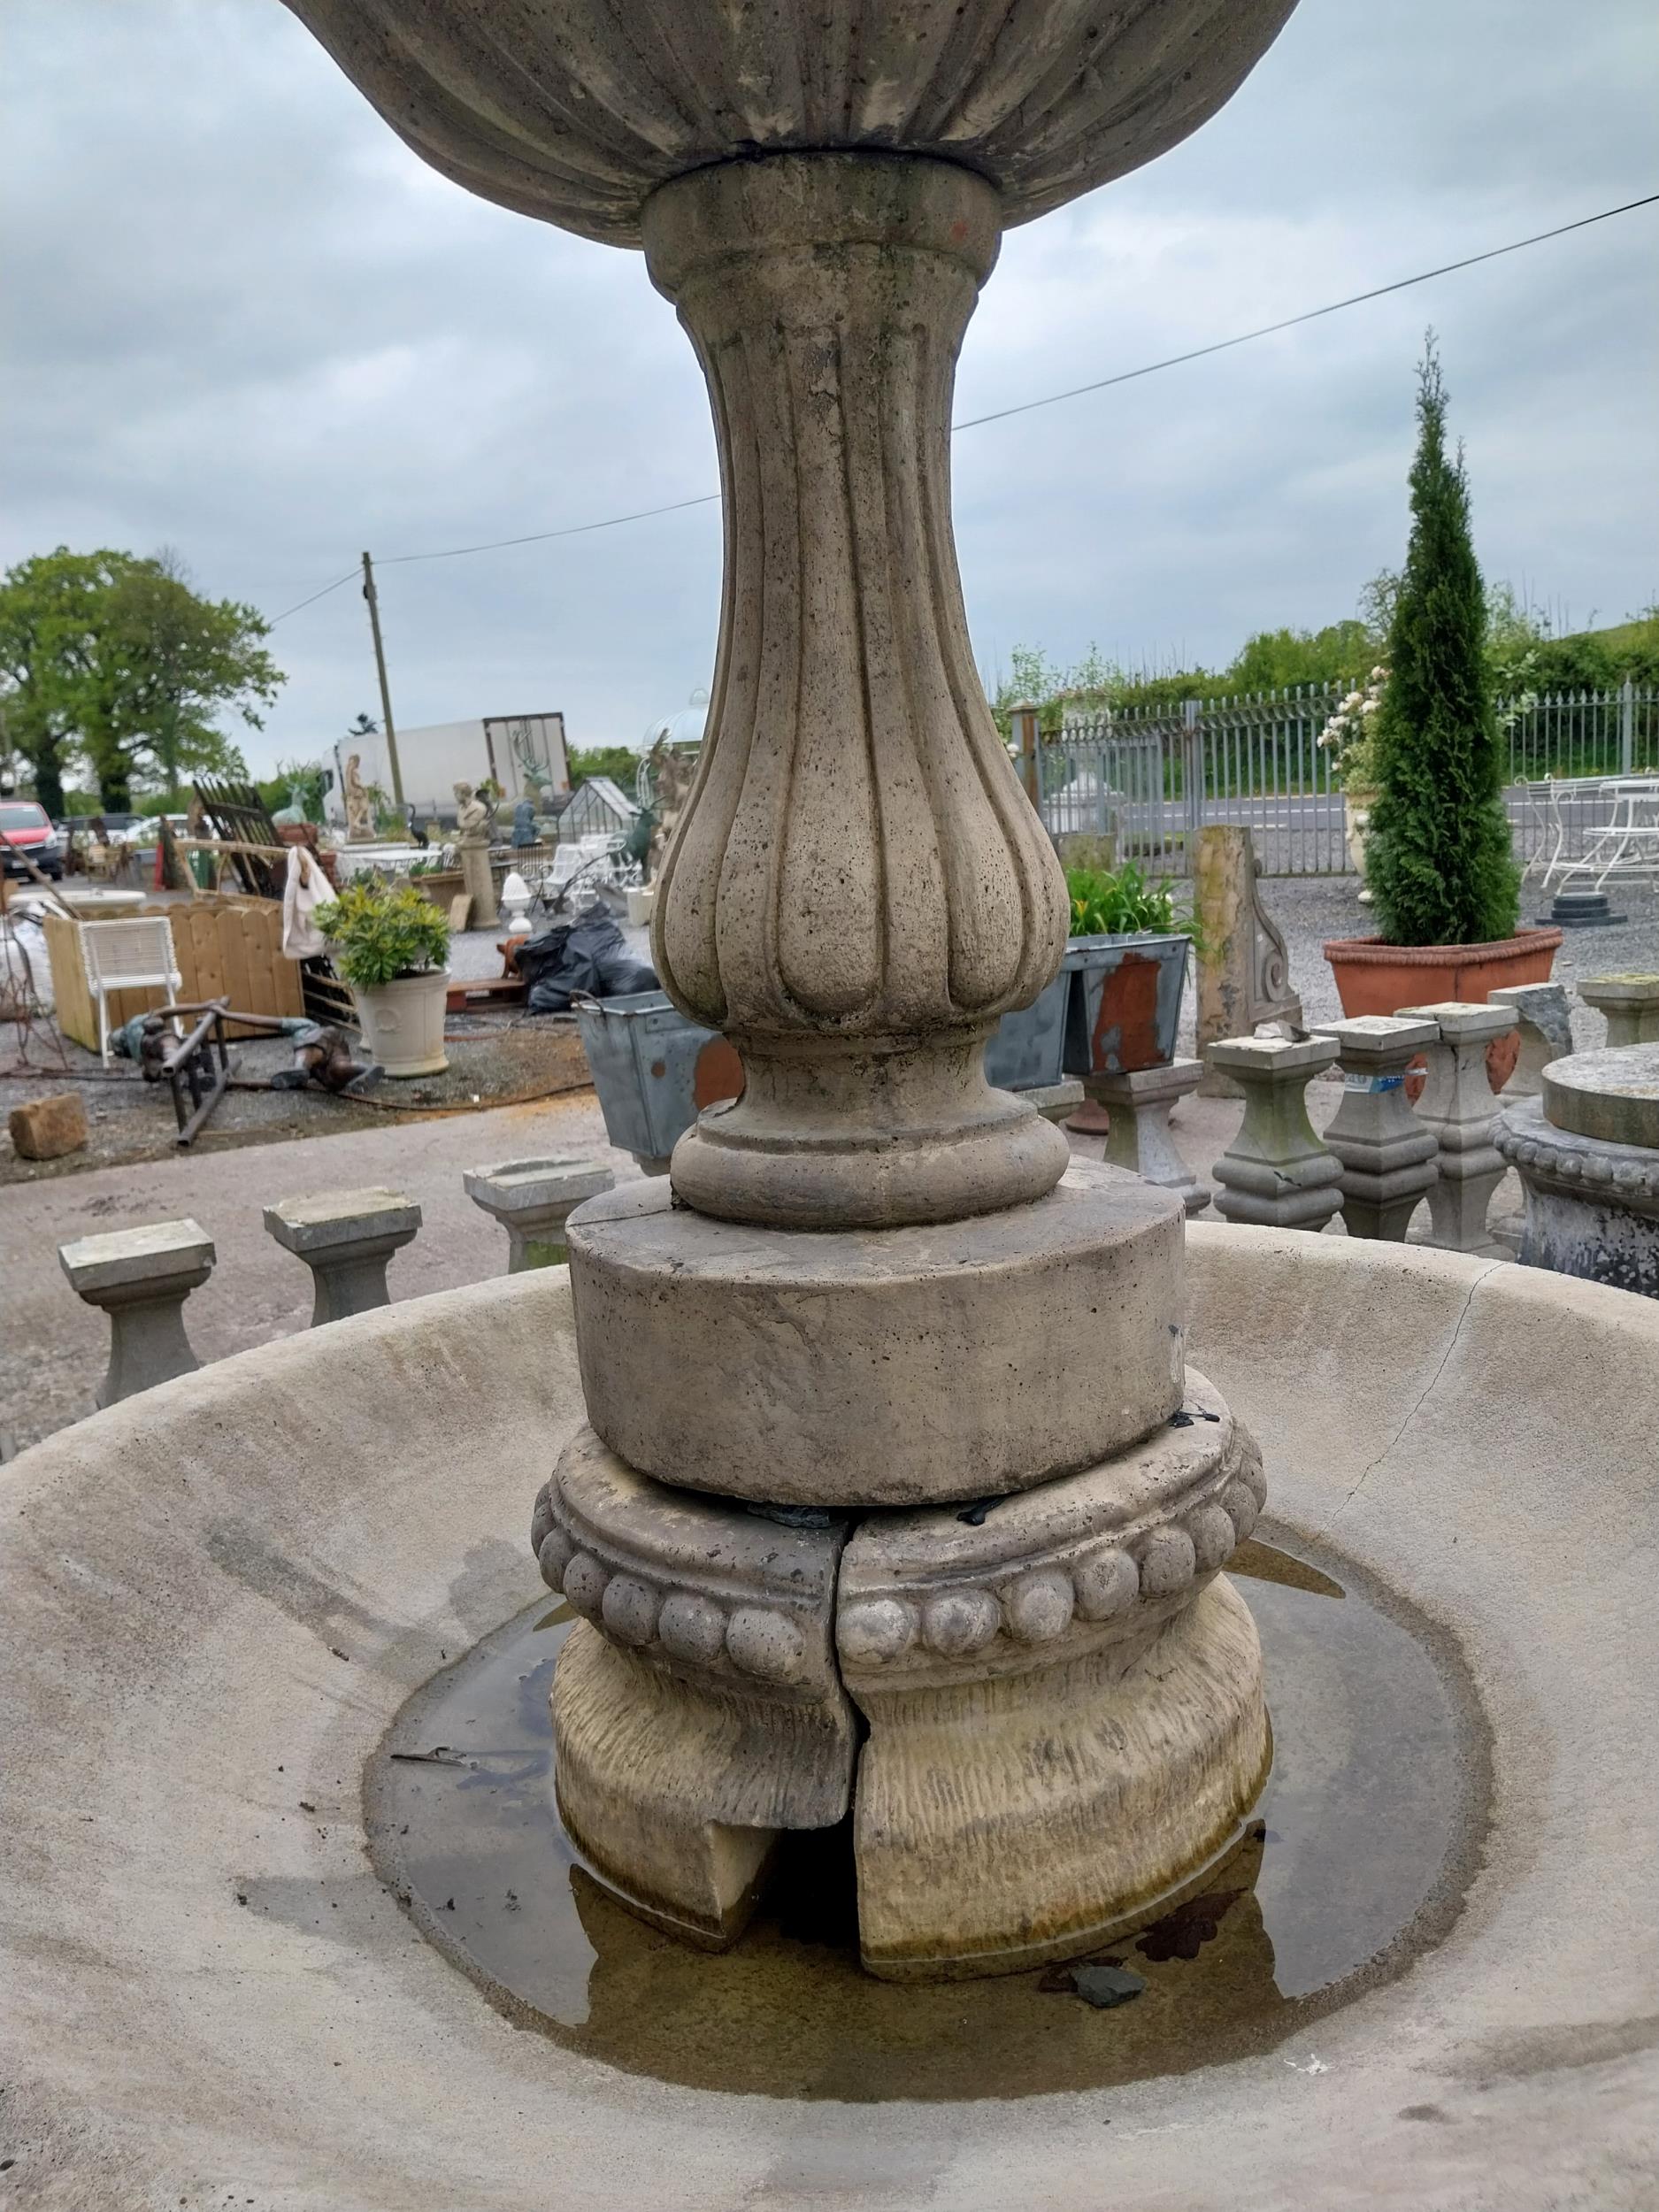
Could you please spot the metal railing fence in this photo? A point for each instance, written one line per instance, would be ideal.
(1156, 777)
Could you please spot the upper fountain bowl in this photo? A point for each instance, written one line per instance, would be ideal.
(575, 111)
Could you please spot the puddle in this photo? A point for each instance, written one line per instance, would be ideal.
(1368, 1831)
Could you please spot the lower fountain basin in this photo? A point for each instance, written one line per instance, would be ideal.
(218, 1597)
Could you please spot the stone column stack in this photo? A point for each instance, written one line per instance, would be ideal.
(1458, 1106)
(889, 1414)
(1389, 1159)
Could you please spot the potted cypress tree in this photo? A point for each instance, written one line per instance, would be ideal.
(1444, 885)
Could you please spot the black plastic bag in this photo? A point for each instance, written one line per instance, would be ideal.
(587, 954)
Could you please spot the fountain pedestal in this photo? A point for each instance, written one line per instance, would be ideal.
(879, 1282)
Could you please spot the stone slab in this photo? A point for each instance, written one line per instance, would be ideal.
(786, 1366)
(1612, 1096)
(311, 1224)
(531, 1186)
(120, 1257)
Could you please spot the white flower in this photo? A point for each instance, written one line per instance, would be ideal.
(1370, 706)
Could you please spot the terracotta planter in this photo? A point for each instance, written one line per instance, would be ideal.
(403, 1023)
(1372, 978)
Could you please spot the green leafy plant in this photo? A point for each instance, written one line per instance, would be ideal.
(1107, 905)
(382, 931)
(1437, 856)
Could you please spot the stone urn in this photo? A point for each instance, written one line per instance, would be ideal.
(403, 1023)
(872, 1280)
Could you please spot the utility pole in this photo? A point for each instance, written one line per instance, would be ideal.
(386, 694)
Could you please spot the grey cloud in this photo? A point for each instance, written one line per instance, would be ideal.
(243, 320)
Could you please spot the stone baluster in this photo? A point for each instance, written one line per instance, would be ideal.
(1389, 1157)
(533, 1200)
(345, 1237)
(1140, 1138)
(1546, 1020)
(1458, 1105)
(1631, 1003)
(140, 1277)
(1276, 1173)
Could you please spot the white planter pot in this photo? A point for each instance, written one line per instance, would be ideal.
(403, 1023)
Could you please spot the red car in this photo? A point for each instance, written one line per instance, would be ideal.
(27, 828)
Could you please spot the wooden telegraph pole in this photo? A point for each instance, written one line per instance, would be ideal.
(386, 694)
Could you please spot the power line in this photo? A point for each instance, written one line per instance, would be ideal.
(1027, 406)
(1380, 291)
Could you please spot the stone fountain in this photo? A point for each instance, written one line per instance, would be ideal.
(877, 1302)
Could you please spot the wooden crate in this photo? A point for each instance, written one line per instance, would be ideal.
(225, 947)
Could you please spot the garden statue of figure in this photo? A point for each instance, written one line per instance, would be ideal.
(471, 816)
(524, 823)
(359, 806)
(670, 783)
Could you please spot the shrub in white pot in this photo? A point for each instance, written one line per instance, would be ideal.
(391, 946)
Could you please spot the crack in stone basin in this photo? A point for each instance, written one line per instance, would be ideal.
(1363, 1842)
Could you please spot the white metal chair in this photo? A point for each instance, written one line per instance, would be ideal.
(129, 956)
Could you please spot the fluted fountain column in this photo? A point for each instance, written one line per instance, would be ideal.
(858, 887)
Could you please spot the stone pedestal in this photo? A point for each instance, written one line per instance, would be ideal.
(880, 1282)
(1545, 1015)
(479, 881)
(140, 1277)
(1390, 1159)
(1631, 1003)
(1592, 1199)
(1138, 1135)
(1276, 1173)
(1458, 1106)
(533, 1200)
(346, 1239)
(770, 1365)
(1056, 1102)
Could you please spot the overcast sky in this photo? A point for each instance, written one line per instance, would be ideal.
(242, 320)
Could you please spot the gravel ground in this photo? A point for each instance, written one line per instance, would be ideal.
(1310, 909)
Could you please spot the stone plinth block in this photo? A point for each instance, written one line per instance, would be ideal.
(848, 1369)
(532, 1200)
(1390, 1159)
(1631, 1003)
(1544, 1013)
(140, 1277)
(1243, 971)
(1458, 1106)
(1139, 1137)
(480, 881)
(345, 1237)
(48, 1128)
(704, 1713)
(1612, 1096)
(1276, 1173)
(1592, 1206)
(1055, 1101)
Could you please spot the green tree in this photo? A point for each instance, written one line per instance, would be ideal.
(1438, 860)
(49, 616)
(620, 762)
(168, 663)
(116, 662)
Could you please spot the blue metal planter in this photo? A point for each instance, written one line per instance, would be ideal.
(1125, 1005)
(653, 1070)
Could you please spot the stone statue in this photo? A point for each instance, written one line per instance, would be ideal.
(672, 777)
(471, 817)
(523, 823)
(359, 806)
(472, 834)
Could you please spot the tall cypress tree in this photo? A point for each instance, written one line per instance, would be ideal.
(1438, 857)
